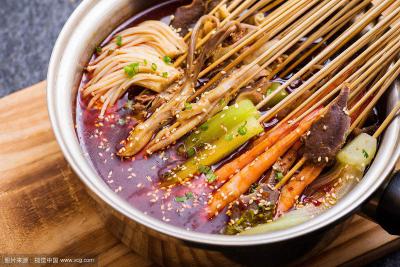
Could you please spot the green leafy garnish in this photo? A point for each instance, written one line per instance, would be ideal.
(191, 152)
(187, 196)
(167, 60)
(145, 62)
(208, 172)
(188, 106)
(165, 74)
(204, 127)
(243, 129)
(132, 69)
(365, 153)
(119, 40)
(278, 176)
(154, 66)
(180, 199)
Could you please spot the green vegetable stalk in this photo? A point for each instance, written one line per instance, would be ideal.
(278, 97)
(352, 162)
(219, 125)
(216, 151)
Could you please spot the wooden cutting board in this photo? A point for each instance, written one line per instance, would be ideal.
(44, 209)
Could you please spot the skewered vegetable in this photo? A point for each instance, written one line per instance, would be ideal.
(219, 125)
(213, 153)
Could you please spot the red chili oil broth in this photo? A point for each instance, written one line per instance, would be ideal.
(137, 180)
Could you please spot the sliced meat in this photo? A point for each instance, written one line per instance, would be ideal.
(328, 134)
(185, 16)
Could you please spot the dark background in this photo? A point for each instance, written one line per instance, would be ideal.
(28, 30)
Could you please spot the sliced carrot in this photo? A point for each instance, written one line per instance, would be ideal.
(242, 181)
(270, 138)
(292, 190)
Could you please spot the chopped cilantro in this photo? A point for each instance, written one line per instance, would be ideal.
(211, 177)
(180, 199)
(187, 196)
(191, 152)
(204, 169)
(119, 40)
(167, 60)
(243, 129)
(208, 172)
(365, 153)
(188, 106)
(204, 127)
(278, 176)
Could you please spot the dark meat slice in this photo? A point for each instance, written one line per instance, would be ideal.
(185, 16)
(328, 134)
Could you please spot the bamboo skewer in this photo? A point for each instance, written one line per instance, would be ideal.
(254, 9)
(366, 76)
(212, 12)
(334, 25)
(288, 41)
(378, 29)
(239, 59)
(385, 82)
(289, 175)
(272, 22)
(388, 120)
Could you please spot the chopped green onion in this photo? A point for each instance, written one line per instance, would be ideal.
(154, 66)
(365, 153)
(229, 137)
(191, 152)
(132, 69)
(242, 129)
(167, 60)
(119, 40)
(188, 106)
(187, 196)
(204, 127)
(165, 74)
(211, 177)
(180, 199)
(278, 176)
(145, 62)
(204, 169)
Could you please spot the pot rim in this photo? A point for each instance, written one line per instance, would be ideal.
(62, 71)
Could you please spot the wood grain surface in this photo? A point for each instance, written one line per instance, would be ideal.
(45, 210)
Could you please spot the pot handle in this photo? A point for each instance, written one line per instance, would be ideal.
(384, 207)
